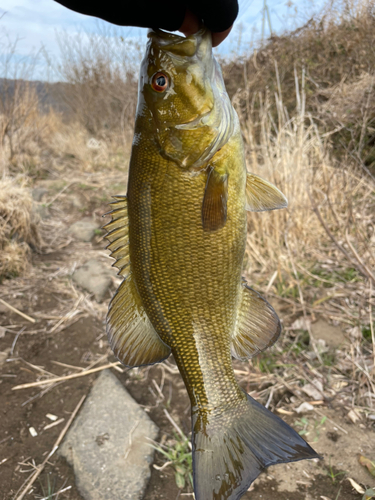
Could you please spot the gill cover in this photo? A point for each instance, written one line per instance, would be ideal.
(193, 117)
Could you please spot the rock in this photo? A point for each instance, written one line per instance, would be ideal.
(83, 230)
(41, 210)
(94, 277)
(38, 193)
(107, 444)
(76, 201)
(332, 335)
(304, 407)
(314, 391)
(301, 324)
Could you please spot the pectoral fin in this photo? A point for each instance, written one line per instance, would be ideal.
(131, 335)
(257, 326)
(214, 206)
(118, 234)
(262, 195)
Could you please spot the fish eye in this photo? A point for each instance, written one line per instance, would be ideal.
(159, 82)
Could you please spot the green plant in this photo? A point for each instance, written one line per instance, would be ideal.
(178, 455)
(302, 342)
(286, 290)
(267, 362)
(333, 474)
(366, 332)
(328, 358)
(318, 426)
(49, 487)
(303, 423)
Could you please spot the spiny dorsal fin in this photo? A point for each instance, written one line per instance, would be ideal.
(214, 206)
(257, 326)
(118, 234)
(131, 335)
(262, 195)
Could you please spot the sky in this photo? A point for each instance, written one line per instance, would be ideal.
(35, 23)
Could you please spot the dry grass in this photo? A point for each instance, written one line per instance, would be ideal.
(18, 228)
(335, 50)
(101, 88)
(291, 153)
(318, 255)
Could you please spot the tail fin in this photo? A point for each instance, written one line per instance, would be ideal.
(232, 448)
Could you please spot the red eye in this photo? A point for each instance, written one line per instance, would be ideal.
(159, 82)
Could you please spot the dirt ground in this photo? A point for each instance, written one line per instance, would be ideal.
(68, 336)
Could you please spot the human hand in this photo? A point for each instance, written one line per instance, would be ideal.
(192, 24)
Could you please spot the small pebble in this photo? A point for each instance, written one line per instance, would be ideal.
(33, 432)
(51, 417)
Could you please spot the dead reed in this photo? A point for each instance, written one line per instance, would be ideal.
(18, 228)
(318, 255)
(335, 50)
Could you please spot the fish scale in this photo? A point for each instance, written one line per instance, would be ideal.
(175, 219)
(182, 293)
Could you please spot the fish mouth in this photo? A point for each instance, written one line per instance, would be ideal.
(179, 45)
(166, 37)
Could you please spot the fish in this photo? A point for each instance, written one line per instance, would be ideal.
(178, 238)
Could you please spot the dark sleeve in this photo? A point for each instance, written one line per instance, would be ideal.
(167, 15)
(217, 15)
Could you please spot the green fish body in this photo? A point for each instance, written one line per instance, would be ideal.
(179, 240)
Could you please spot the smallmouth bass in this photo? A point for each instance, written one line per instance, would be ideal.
(179, 238)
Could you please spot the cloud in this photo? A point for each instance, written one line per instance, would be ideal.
(35, 24)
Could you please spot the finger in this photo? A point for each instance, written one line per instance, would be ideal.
(190, 25)
(217, 38)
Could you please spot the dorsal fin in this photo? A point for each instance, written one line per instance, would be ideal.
(257, 326)
(214, 206)
(131, 335)
(118, 234)
(262, 195)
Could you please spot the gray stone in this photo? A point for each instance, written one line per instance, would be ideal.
(107, 445)
(332, 335)
(94, 277)
(83, 230)
(41, 210)
(38, 193)
(76, 201)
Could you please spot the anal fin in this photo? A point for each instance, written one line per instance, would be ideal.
(214, 206)
(257, 326)
(262, 195)
(131, 335)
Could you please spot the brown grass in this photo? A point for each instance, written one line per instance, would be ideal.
(336, 52)
(101, 88)
(18, 227)
(292, 153)
(318, 255)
